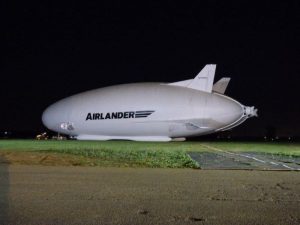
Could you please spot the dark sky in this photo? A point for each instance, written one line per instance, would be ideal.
(51, 51)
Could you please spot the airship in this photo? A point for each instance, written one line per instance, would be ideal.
(149, 111)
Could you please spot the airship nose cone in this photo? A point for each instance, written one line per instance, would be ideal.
(55, 115)
(46, 118)
(49, 117)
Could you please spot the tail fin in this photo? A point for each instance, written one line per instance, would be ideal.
(204, 80)
(221, 85)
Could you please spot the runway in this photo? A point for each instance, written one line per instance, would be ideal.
(93, 195)
(217, 158)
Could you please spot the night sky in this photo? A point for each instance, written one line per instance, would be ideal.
(51, 51)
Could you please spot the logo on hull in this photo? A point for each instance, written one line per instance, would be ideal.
(119, 115)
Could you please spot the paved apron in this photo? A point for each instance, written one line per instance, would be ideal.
(221, 159)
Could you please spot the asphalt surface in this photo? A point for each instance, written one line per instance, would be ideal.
(221, 159)
(93, 195)
(247, 160)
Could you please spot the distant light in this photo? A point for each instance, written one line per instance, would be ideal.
(289, 138)
(5, 132)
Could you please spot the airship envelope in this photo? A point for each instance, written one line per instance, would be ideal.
(149, 111)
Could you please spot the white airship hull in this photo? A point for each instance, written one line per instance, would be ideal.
(143, 112)
(130, 138)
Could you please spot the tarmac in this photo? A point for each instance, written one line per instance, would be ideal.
(93, 195)
(222, 159)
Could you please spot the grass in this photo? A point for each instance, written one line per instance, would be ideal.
(143, 154)
(128, 153)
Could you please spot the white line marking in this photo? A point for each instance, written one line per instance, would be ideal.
(287, 166)
(274, 163)
(250, 157)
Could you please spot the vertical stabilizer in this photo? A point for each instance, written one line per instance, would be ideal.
(204, 80)
(221, 85)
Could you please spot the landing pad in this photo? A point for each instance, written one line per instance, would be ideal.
(246, 160)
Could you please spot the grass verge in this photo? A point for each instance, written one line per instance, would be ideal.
(136, 154)
(121, 153)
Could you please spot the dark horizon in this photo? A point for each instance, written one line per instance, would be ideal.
(51, 52)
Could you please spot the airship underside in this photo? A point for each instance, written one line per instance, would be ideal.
(149, 111)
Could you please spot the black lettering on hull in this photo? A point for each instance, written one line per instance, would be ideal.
(119, 115)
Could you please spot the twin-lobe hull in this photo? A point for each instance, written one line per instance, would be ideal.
(149, 111)
(143, 111)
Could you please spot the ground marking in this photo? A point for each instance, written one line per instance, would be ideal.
(287, 166)
(274, 163)
(250, 157)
